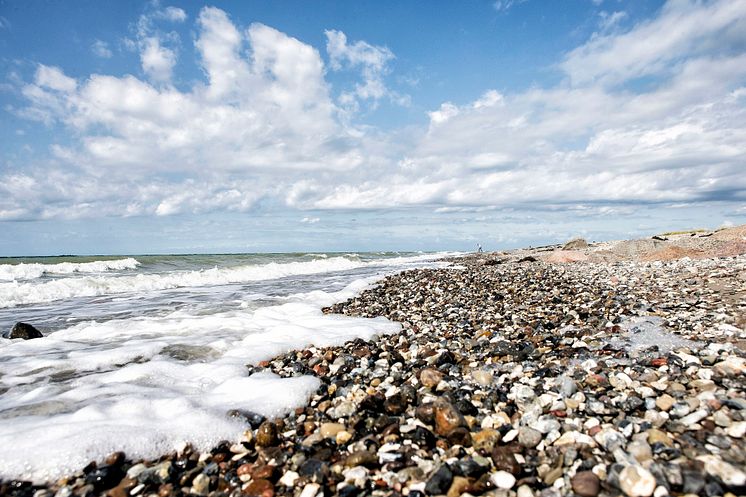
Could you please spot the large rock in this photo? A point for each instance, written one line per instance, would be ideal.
(575, 244)
(24, 331)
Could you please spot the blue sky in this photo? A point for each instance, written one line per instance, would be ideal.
(266, 126)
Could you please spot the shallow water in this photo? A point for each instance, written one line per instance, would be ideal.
(144, 353)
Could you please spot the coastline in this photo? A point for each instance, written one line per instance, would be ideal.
(512, 374)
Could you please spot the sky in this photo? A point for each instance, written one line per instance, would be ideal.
(264, 126)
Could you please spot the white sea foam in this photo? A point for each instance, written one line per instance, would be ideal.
(146, 385)
(16, 293)
(13, 272)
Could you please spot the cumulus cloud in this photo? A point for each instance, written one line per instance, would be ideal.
(264, 124)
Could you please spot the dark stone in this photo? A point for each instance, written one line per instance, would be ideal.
(24, 331)
(373, 403)
(694, 482)
(528, 258)
(459, 436)
(468, 468)
(586, 484)
(253, 419)
(315, 470)
(504, 460)
(396, 404)
(440, 481)
(423, 437)
(105, 477)
(713, 488)
(266, 435)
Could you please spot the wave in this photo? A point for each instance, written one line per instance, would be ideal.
(18, 293)
(15, 272)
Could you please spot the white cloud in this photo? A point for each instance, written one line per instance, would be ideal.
(683, 28)
(372, 62)
(101, 49)
(264, 125)
(310, 220)
(157, 61)
(54, 79)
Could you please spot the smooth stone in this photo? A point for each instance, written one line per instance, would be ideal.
(586, 484)
(201, 484)
(640, 450)
(730, 475)
(289, 478)
(310, 490)
(665, 402)
(24, 331)
(266, 435)
(658, 436)
(502, 479)
(447, 417)
(528, 437)
(430, 377)
(636, 481)
(259, 488)
(482, 377)
(361, 458)
(330, 430)
(440, 481)
(737, 429)
(731, 366)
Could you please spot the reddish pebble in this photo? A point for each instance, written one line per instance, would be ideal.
(260, 488)
(661, 361)
(244, 469)
(594, 430)
(559, 414)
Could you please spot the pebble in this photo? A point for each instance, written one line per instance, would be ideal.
(530, 379)
(636, 481)
(585, 484)
(502, 479)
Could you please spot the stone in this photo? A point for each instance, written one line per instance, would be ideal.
(23, 331)
(310, 490)
(259, 488)
(503, 459)
(737, 429)
(658, 436)
(201, 484)
(731, 366)
(636, 481)
(729, 474)
(447, 417)
(502, 479)
(458, 486)
(485, 440)
(330, 430)
(266, 435)
(482, 377)
(585, 484)
(440, 481)
(289, 479)
(361, 458)
(575, 244)
(430, 377)
(665, 402)
(528, 437)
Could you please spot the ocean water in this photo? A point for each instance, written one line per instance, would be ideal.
(146, 353)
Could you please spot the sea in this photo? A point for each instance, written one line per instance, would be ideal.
(145, 354)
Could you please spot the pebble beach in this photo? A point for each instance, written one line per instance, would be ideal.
(580, 369)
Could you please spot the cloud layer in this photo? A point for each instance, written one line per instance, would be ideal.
(655, 113)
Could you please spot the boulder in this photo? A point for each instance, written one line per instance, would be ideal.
(575, 244)
(24, 331)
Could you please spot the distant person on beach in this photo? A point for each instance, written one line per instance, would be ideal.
(479, 248)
